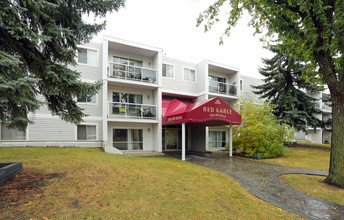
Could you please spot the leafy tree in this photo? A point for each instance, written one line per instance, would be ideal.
(260, 134)
(311, 30)
(283, 86)
(38, 40)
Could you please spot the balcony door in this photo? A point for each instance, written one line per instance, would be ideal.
(126, 104)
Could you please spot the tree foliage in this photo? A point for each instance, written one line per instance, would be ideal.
(311, 30)
(260, 134)
(38, 41)
(285, 87)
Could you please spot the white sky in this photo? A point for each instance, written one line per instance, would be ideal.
(171, 25)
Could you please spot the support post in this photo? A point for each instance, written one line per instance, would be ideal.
(230, 141)
(183, 141)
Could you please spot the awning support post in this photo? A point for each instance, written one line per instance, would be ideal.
(230, 141)
(183, 141)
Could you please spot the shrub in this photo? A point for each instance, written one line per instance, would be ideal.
(260, 133)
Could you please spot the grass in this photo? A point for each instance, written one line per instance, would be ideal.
(90, 184)
(314, 185)
(311, 156)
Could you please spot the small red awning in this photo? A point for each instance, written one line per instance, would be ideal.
(210, 112)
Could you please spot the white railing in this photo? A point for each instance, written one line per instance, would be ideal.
(124, 71)
(222, 88)
(132, 110)
(325, 107)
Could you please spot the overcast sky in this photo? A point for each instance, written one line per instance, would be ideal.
(171, 25)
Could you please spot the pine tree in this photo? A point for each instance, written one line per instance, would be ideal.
(38, 41)
(285, 88)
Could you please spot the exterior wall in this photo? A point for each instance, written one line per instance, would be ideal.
(197, 136)
(247, 82)
(177, 84)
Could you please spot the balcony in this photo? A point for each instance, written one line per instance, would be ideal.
(222, 88)
(128, 72)
(132, 110)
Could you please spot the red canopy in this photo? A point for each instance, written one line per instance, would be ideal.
(210, 112)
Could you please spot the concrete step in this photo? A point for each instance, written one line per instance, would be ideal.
(143, 153)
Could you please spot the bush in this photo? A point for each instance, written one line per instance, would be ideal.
(260, 133)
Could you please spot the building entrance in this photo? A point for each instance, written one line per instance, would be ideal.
(171, 138)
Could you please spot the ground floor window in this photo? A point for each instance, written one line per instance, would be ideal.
(217, 139)
(87, 132)
(11, 133)
(128, 139)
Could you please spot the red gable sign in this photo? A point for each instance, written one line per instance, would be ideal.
(212, 112)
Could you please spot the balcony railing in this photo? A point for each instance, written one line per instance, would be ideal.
(124, 71)
(222, 88)
(325, 107)
(132, 110)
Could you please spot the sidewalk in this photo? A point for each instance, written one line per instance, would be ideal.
(261, 179)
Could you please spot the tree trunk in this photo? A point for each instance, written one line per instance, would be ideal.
(336, 172)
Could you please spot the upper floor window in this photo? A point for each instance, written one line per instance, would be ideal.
(127, 61)
(88, 99)
(11, 133)
(86, 132)
(189, 75)
(87, 56)
(127, 98)
(167, 71)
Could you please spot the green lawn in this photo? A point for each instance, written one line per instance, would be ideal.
(311, 156)
(90, 184)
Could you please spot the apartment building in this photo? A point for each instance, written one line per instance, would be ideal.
(136, 109)
(319, 135)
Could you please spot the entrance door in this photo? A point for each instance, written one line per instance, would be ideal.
(170, 139)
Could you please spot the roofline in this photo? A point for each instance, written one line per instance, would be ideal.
(132, 43)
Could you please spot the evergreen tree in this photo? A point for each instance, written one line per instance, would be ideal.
(38, 40)
(285, 88)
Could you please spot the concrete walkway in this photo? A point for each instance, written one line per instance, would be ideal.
(261, 179)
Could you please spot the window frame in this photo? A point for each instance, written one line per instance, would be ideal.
(87, 49)
(13, 129)
(88, 103)
(217, 141)
(87, 124)
(173, 71)
(127, 142)
(189, 68)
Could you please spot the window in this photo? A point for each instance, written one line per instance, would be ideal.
(86, 132)
(217, 84)
(86, 56)
(240, 85)
(189, 75)
(217, 139)
(88, 99)
(167, 71)
(124, 104)
(12, 133)
(127, 68)
(128, 139)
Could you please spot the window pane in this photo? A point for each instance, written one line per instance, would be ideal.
(212, 136)
(115, 97)
(6, 133)
(91, 99)
(91, 132)
(82, 56)
(136, 135)
(163, 69)
(186, 74)
(167, 70)
(82, 99)
(120, 135)
(19, 135)
(138, 63)
(192, 75)
(81, 132)
(92, 57)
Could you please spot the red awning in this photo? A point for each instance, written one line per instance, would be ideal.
(210, 112)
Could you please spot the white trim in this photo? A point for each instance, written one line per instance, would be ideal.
(174, 70)
(86, 123)
(195, 95)
(87, 48)
(190, 68)
(131, 43)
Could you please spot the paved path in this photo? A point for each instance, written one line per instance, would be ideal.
(261, 179)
